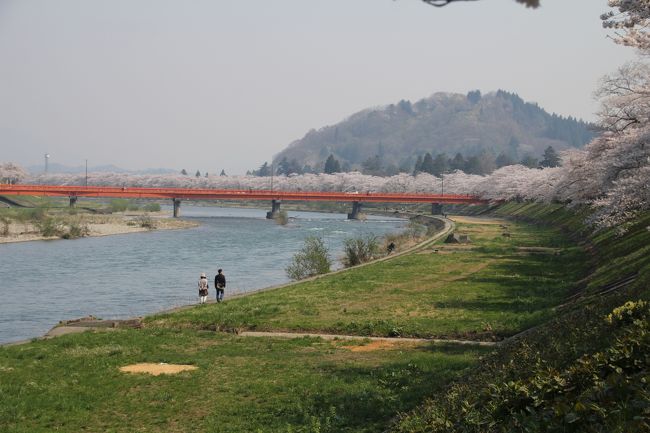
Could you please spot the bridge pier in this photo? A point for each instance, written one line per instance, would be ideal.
(177, 207)
(436, 209)
(356, 211)
(73, 200)
(275, 209)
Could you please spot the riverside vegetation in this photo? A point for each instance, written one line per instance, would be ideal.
(44, 218)
(583, 368)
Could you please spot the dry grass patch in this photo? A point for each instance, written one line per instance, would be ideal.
(157, 369)
(375, 345)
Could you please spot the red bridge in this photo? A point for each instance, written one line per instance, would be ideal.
(178, 194)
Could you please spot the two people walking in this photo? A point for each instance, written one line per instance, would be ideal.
(219, 284)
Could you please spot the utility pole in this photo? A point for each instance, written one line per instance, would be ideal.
(442, 179)
(86, 172)
(272, 173)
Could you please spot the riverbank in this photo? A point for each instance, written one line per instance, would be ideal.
(92, 225)
(491, 288)
(271, 383)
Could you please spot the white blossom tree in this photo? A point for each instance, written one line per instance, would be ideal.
(11, 173)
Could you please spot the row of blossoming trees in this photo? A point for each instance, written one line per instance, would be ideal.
(612, 173)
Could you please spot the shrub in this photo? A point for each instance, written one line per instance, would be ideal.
(312, 259)
(151, 207)
(50, 227)
(133, 206)
(76, 230)
(4, 231)
(360, 250)
(283, 218)
(146, 221)
(119, 205)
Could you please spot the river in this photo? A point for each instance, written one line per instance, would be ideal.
(136, 274)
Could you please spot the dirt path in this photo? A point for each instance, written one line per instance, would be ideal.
(362, 338)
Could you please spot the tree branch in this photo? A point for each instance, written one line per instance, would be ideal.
(440, 3)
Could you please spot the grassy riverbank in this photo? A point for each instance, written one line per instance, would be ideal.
(48, 219)
(489, 289)
(492, 288)
(586, 370)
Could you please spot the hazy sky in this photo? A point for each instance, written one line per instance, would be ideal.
(212, 84)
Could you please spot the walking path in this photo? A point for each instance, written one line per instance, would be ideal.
(361, 338)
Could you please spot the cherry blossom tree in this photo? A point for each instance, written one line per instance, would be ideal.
(11, 173)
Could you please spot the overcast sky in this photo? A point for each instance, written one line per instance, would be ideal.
(212, 84)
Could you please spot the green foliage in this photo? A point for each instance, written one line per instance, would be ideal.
(50, 227)
(282, 218)
(551, 158)
(151, 207)
(312, 259)
(332, 165)
(118, 205)
(360, 250)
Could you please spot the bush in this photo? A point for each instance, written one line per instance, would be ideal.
(151, 207)
(283, 218)
(133, 207)
(312, 259)
(4, 231)
(76, 230)
(360, 250)
(146, 221)
(119, 205)
(50, 227)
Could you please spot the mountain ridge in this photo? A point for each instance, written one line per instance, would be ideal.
(445, 123)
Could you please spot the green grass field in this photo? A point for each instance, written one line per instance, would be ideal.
(72, 383)
(491, 288)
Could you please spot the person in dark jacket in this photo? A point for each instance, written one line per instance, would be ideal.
(220, 284)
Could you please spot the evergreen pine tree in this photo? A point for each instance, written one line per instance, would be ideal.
(332, 165)
(418, 165)
(427, 163)
(551, 158)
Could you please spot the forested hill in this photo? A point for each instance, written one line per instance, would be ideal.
(391, 138)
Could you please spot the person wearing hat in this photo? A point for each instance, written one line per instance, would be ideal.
(203, 288)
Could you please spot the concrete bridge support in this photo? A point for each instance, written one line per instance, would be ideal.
(73, 200)
(275, 210)
(436, 209)
(177, 207)
(356, 211)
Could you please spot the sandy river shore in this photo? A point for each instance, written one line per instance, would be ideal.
(98, 225)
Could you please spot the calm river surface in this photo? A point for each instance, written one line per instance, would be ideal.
(140, 273)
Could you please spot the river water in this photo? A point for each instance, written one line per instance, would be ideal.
(135, 274)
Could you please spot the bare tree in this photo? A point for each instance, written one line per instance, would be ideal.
(439, 3)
